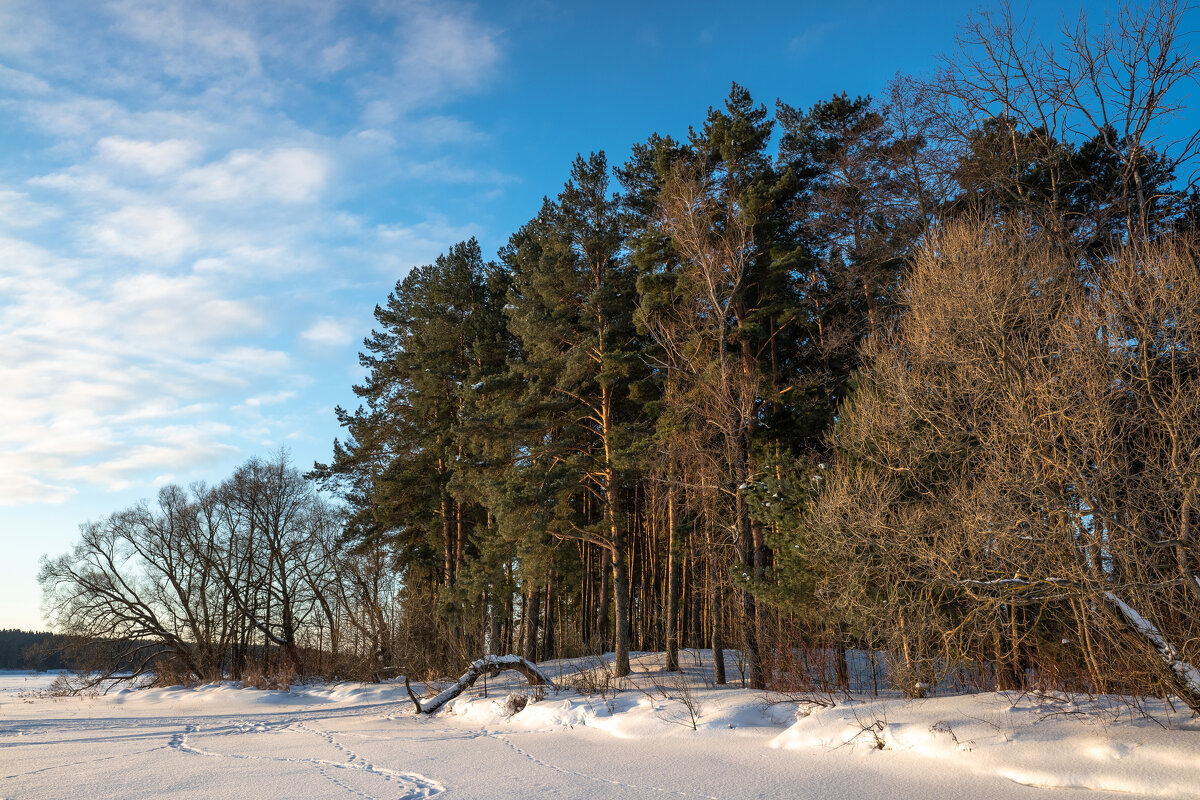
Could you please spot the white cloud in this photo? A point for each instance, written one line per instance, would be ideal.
(328, 332)
(253, 360)
(149, 233)
(17, 210)
(810, 39)
(153, 158)
(192, 167)
(186, 309)
(438, 52)
(443, 170)
(21, 82)
(445, 49)
(105, 379)
(386, 125)
(337, 56)
(285, 175)
(22, 30)
(183, 448)
(404, 246)
(18, 487)
(269, 399)
(258, 261)
(187, 40)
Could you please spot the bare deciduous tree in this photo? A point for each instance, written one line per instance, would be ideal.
(1108, 87)
(181, 587)
(700, 331)
(1021, 463)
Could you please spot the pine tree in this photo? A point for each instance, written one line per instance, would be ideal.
(571, 309)
(719, 306)
(440, 334)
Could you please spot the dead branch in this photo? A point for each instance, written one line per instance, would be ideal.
(488, 666)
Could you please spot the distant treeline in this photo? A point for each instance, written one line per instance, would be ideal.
(33, 650)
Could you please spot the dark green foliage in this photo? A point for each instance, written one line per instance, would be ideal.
(410, 467)
(571, 309)
(38, 650)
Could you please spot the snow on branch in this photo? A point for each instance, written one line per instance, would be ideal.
(489, 666)
(1025, 589)
(1186, 674)
(1016, 589)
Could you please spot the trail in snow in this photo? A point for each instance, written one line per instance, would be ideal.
(412, 785)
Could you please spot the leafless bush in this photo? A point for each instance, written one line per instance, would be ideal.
(597, 678)
(279, 679)
(1020, 465)
(681, 690)
(168, 671)
(871, 728)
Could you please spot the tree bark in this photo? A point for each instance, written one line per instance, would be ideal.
(674, 574)
(601, 638)
(530, 614)
(718, 638)
(488, 666)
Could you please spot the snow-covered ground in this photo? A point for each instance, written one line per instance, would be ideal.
(632, 741)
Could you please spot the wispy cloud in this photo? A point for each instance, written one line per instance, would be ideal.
(156, 234)
(153, 158)
(191, 165)
(286, 175)
(328, 332)
(186, 39)
(13, 80)
(18, 210)
(810, 39)
(270, 399)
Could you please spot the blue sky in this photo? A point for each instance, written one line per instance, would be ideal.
(201, 203)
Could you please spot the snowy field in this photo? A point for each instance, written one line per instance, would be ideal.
(637, 741)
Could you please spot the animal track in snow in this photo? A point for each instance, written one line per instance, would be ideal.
(412, 785)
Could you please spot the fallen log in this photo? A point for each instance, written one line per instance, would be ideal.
(489, 666)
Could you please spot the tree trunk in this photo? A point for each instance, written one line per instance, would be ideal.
(746, 552)
(674, 574)
(485, 667)
(762, 614)
(460, 538)
(529, 622)
(447, 541)
(495, 628)
(601, 638)
(718, 639)
(508, 642)
(621, 597)
(1182, 677)
(842, 656)
(548, 638)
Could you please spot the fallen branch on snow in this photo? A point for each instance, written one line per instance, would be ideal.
(489, 666)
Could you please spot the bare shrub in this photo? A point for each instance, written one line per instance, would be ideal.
(279, 679)
(597, 678)
(681, 690)
(1020, 464)
(168, 671)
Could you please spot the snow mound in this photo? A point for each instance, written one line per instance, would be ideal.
(1098, 744)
